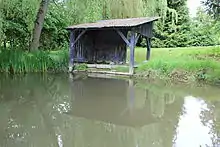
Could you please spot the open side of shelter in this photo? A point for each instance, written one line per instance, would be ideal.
(106, 41)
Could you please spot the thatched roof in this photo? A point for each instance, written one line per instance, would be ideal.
(115, 23)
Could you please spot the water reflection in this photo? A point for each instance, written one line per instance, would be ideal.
(50, 110)
(191, 131)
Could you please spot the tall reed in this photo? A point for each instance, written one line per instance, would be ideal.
(18, 61)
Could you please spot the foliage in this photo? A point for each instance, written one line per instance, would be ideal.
(19, 16)
(175, 28)
(18, 61)
(213, 8)
(204, 30)
(81, 67)
(186, 31)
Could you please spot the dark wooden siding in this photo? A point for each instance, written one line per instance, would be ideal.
(145, 29)
(100, 46)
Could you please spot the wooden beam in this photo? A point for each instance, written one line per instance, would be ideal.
(79, 36)
(123, 37)
(148, 48)
(132, 46)
(136, 38)
(71, 51)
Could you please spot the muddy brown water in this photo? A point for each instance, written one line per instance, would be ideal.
(62, 111)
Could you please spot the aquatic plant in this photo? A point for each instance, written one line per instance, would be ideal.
(18, 61)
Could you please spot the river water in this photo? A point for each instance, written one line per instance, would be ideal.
(63, 111)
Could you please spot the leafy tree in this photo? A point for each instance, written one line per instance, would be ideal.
(173, 32)
(17, 21)
(213, 7)
(20, 28)
(203, 30)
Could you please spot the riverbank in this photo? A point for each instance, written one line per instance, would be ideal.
(175, 64)
(181, 64)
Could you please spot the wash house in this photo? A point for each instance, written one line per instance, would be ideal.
(106, 42)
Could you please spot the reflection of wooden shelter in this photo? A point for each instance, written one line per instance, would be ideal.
(120, 115)
(106, 41)
(110, 101)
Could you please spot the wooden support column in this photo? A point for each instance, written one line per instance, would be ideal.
(71, 51)
(123, 37)
(136, 38)
(132, 46)
(148, 40)
(79, 36)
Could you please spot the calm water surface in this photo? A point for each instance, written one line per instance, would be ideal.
(58, 111)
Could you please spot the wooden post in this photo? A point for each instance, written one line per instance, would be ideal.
(132, 46)
(71, 51)
(148, 48)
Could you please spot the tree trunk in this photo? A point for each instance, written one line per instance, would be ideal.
(5, 44)
(39, 24)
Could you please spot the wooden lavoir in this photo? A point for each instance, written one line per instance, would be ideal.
(106, 41)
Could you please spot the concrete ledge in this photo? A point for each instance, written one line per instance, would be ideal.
(111, 73)
(105, 66)
(103, 72)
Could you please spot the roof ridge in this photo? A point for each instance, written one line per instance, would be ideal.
(118, 22)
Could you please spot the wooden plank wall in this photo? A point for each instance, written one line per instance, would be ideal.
(145, 30)
(103, 46)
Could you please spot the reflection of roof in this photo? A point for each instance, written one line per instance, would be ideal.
(139, 118)
(109, 101)
(129, 22)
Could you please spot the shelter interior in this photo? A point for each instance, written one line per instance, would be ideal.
(106, 42)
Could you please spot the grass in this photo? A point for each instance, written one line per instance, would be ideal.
(202, 63)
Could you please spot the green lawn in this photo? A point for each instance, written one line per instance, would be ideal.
(174, 53)
(193, 60)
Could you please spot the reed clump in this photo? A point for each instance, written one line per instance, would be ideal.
(18, 61)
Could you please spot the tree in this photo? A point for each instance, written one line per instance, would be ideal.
(173, 32)
(1, 22)
(203, 31)
(213, 7)
(30, 24)
(39, 24)
(17, 17)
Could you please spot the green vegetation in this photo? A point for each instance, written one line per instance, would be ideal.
(174, 29)
(17, 61)
(18, 17)
(179, 64)
(200, 63)
(213, 8)
(19, 35)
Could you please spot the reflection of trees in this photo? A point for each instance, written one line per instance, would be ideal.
(157, 105)
(28, 114)
(210, 116)
(217, 118)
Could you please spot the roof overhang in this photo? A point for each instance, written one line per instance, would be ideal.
(114, 23)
